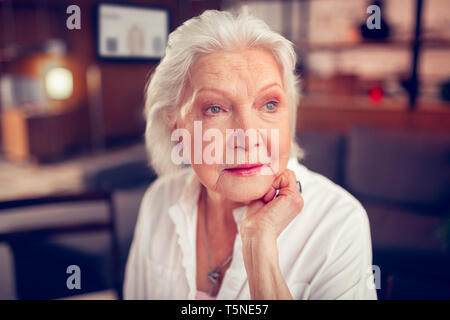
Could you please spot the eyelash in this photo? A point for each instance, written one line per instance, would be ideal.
(274, 102)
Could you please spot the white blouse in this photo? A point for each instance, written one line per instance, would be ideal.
(324, 253)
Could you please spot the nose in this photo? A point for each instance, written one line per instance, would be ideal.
(245, 130)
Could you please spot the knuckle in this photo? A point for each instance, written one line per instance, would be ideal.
(291, 173)
(297, 202)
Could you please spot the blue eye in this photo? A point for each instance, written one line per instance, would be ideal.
(213, 110)
(271, 106)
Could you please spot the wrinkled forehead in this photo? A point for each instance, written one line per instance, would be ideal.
(253, 68)
(239, 73)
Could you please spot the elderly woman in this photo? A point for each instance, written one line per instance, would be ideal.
(238, 229)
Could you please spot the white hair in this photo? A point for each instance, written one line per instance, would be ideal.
(209, 32)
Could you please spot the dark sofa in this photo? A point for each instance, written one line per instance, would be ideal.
(403, 181)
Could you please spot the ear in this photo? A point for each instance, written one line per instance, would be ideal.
(171, 120)
(173, 124)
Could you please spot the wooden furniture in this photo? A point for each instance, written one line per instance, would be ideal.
(41, 137)
(328, 113)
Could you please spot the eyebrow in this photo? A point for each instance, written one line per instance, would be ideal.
(219, 91)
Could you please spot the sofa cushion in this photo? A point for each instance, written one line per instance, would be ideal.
(127, 175)
(399, 166)
(393, 226)
(413, 273)
(323, 153)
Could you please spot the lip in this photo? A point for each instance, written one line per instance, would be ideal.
(245, 170)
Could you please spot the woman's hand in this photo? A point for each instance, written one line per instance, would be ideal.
(260, 227)
(267, 218)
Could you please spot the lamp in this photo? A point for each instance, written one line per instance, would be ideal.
(59, 83)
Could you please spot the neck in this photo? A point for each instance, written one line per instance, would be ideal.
(219, 211)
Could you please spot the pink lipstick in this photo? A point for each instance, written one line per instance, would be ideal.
(245, 170)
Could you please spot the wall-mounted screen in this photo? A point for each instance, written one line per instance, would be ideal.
(131, 31)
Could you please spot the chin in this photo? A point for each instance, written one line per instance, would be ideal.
(246, 189)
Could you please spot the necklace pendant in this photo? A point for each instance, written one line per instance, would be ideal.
(214, 276)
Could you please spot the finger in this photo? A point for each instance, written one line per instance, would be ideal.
(286, 183)
(269, 194)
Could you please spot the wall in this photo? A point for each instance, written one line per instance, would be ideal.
(123, 82)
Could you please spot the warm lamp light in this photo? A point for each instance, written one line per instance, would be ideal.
(59, 83)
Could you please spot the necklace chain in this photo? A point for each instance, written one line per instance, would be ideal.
(213, 274)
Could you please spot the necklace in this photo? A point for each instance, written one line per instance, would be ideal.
(213, 274)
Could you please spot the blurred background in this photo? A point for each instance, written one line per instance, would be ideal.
(374, 118)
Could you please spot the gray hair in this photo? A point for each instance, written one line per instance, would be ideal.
(209, 32)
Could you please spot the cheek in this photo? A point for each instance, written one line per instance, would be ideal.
(279, 148)
(207, 171)
(279, 141)
(285, 143)
(207, 174)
